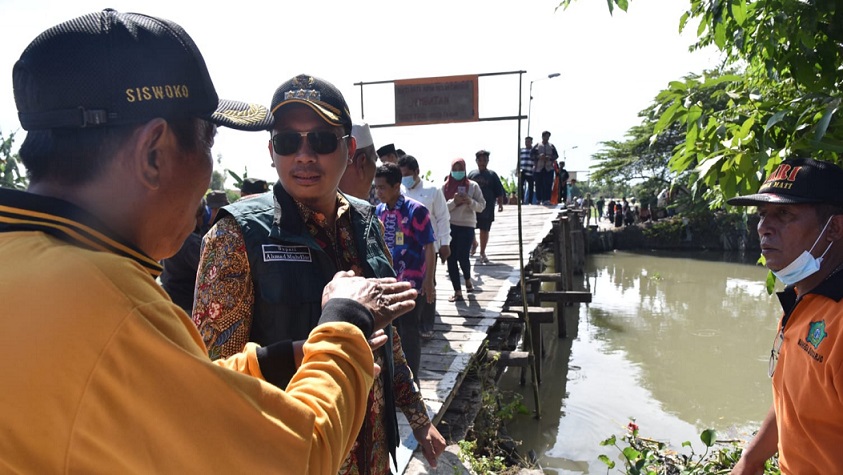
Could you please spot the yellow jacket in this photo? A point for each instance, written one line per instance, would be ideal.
(102, 373)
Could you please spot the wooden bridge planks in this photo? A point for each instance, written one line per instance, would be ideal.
(461, 327)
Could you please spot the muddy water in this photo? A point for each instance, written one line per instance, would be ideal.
(678, 342)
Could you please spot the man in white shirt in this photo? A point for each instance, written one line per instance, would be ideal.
(432, 198)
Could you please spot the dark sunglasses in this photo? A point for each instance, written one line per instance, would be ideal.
(322, 142)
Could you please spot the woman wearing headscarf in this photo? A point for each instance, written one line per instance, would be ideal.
(465, 200)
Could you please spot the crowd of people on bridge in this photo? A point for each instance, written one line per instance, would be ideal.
(544, 179)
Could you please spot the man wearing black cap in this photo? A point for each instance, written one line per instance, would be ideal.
(388, 154)
(215, 200)
(801, 210)
(490, 185)
(287, 245)
(102, 373)
(253, 186)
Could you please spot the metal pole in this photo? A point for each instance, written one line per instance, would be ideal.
(529, 108)
(528, 328)
(362, 114)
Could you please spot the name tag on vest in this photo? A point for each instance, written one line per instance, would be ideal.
(276, 253)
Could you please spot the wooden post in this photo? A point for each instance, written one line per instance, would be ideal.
(557, 256)
(559, 262)
(577, 243)
(523, 283)
(569, 261)
(567, 275)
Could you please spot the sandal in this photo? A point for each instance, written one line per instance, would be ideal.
(427, 335)
(469, 287)
(456, 298)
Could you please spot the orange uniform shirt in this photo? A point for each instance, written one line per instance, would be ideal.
(808, 383)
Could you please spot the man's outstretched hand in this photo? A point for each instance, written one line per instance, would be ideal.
(385, 298)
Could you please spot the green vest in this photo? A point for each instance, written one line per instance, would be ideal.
(289, 270)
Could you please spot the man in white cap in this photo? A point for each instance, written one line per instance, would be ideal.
(358, 176)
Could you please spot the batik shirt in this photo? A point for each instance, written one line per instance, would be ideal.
(223, 312)
(406, 230)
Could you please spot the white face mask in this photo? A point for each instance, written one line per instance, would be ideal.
(803, 266)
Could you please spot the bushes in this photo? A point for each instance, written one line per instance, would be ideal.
(701, 230)
(647, 456)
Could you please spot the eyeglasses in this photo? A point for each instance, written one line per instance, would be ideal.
(322, 142)
(774, 353)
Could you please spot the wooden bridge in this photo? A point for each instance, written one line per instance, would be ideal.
(462, 327)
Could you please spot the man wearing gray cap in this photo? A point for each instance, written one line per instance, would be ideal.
(801, 210)
(102, 372)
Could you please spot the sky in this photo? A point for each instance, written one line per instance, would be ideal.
(610, 66)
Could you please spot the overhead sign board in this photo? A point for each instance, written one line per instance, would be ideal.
(436, 100)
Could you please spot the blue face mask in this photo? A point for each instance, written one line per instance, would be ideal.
(408, 181)
(803, 266)
(458, 175)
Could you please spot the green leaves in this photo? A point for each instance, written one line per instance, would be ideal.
(605, 459)
(708, 437)
(770, 283)
(667, 117)
(825, 119)
(739, 11)
(631, 454)
(646, 456)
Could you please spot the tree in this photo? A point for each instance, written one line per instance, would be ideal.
(646, 158)
(217, 177)
(783, 101)
(217, 180)
(10, 169)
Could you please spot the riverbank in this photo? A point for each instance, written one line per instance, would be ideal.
(693, 232)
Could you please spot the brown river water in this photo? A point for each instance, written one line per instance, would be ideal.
(678, 341)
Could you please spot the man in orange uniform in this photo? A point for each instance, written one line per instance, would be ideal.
(801, 210)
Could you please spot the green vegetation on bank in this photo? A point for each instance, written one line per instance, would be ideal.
(639, 455)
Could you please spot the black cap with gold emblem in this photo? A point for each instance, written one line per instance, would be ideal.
(320, 95)
(110, 68)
